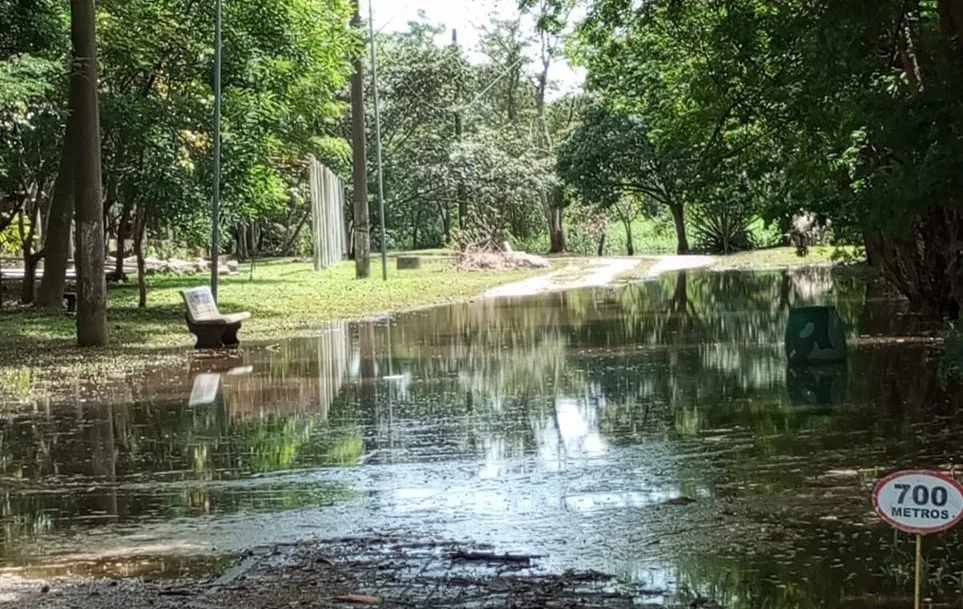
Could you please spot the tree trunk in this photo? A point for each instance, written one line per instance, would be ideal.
(57, 242)
(240, 237)
(27, 291)
(351, 255)
(414, 230)
(678, 218)
(462, 206)
(556, 230)
(553, 216)
(123, 228)
(362, 237)
(84, 105)
(869, 244)
(30, 259)
(288, 248)
(140, 230)
(629, 242)
(29, 278)
(601, 249)
(446, 223)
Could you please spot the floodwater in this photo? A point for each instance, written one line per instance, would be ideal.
(652, 431)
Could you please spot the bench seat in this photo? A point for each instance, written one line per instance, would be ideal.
(213, 329)
(231, 318)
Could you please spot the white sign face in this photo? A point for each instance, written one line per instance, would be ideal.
(919, 501)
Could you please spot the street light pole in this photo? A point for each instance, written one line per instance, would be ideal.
(377, 114)
(216, 204)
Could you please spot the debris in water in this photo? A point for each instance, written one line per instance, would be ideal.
(358, 599)
(492, 557)
(683, 500)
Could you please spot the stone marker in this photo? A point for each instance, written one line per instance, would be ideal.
(815, 335)
(408, 263)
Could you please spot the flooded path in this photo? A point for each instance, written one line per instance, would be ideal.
(580, 273)
(651, 431)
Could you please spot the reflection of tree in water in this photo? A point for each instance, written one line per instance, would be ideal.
(670, 358)
(480, 369)
(644, 358)
(98, 464)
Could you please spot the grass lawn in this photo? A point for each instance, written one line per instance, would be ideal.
(284, 297)
(786, 257)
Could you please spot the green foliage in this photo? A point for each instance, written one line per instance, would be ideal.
(725, 231)
(286, 65)
(10, 240)
(608, 154)
(497, 167)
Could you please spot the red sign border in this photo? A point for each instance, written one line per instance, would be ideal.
(896, 525)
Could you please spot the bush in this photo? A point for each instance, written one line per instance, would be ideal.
(723, 231)
(10, 239)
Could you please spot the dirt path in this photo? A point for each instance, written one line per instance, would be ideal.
(599, 272)
(668, 264)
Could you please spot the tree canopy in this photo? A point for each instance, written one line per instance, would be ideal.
(846, 109)
(712, 116)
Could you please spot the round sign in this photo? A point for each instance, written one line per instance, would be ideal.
(919, 501)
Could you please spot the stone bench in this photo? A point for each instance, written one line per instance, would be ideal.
(212, 329)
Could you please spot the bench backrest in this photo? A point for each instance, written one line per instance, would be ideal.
(200, 304)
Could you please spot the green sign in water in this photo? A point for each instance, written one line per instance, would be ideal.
(815, 335)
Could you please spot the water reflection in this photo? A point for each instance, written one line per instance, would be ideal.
(574, 423)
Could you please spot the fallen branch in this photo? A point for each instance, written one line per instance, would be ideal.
(475, 556)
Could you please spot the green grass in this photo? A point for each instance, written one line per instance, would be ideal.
(785, 257)
(283, 297)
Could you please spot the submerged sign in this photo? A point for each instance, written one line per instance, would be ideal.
(920, 502)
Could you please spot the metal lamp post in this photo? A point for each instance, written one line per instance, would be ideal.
(377, 113)
(216, 204)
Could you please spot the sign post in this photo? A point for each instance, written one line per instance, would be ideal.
(919, 502)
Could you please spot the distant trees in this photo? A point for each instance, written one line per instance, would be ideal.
(469, 147)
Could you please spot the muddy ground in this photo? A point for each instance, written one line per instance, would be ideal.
(382, 571)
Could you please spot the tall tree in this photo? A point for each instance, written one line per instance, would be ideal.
(362, 233)
(550, 20)
(85, 112)
(610, 155)
(57, 236)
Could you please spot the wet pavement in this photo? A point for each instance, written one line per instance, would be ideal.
(651, 431)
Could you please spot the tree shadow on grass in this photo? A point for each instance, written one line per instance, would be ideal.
(130, 329)
(184, 282)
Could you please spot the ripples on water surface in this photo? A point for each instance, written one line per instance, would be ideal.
(567, 424)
